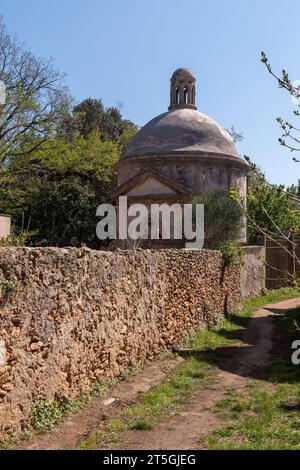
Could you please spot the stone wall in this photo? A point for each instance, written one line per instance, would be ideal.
(71, 316)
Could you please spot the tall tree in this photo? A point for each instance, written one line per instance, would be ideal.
(90, 115)
(56, 190)
(272, 209)
(36, 98)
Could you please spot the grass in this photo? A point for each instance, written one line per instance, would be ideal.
(268, 418)
(156, 404)
(229, 330)
(232, 406)
(91, 442)
(167, 398)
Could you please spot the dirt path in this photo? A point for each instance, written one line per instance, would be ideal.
(240, 363)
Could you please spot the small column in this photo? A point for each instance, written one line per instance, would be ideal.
(181, 93)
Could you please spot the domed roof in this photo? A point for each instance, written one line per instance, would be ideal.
(182, 131)
(184, 73)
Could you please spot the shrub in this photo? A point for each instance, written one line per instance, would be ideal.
(222, 217)
(15, 240)
(231, 253)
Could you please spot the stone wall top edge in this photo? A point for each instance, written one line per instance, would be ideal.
(66, 250)
(77, 253)
(91, 250)
(252, 248)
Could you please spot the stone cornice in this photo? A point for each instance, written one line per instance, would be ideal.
(207, 157)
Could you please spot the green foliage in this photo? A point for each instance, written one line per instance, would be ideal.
(133, 370)
(46, 414)
(58, 189)
(235, 135)
(56, 163)
(141, 425)
(90, 116)
(100, 387)
(222, 217)
(269, 206)
(231, 253)
(294, 189)
(8, 288)
(15, 240)
(165, 398)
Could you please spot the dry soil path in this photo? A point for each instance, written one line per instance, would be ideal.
(239, 364)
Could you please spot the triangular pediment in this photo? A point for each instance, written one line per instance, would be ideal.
(151, 183)
(151, 186)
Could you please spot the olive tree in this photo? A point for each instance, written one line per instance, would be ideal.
(222, 217)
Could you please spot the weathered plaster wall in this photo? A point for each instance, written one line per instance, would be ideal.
(5, 225)
(70, 316)
(253, 273)
(198, 173)
(201, 173)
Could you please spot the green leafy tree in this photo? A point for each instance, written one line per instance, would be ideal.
(56, 163)
(295, 191)
(55, 193)
(90, 115)
(271, 208)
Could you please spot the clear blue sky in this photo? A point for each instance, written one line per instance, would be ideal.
(126, 50)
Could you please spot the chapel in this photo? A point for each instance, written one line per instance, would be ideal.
(179, 154)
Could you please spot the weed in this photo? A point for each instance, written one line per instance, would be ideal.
(100, 387)
(143, 425)
(8, 288)
(91, 442)
(46, 414)
(231, 253)
(133, 370)
(166, 367)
